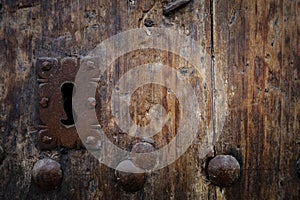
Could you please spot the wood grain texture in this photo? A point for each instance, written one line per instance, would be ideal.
(59, 29)
(255, 49)
(256, 46)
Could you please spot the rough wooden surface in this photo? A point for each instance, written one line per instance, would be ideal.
(257, 45)
(33, 29)
(255, 48)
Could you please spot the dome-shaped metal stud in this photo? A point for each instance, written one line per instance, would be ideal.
(47, 174)
(142, 160)
(223, 170)
(130, 177)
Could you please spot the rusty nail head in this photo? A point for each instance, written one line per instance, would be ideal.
(130, 177)
(144, 161)
(44, 102)
(46, 66)
(91, 65)
(47, 139)
(223, 170)
(91, 140)
(92, 143)
(47, 174)
(91, 102)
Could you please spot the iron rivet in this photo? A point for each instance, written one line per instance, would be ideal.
(47, 174)
(223, 170)
(44, 102)
(142, 160)
(91, 102)
(130, 177)
(92, 143)
(47, 139)
(46, 66)
(91, 140)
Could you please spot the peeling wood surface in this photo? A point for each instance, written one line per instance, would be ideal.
(255, 49)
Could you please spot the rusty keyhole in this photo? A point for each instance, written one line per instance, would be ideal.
(56, 86)
(67, 92)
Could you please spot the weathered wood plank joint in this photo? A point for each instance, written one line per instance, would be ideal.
(55, 79)
(170, 7)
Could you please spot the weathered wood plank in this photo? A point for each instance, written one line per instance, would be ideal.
(256, 52)
(256, 46)
(32, 29)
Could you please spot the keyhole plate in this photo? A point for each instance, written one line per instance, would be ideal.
(55, 79)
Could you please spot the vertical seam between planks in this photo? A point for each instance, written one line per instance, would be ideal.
(280, 84)
(212, 71)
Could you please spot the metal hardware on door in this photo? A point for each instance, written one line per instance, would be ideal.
(223, 170)
(146, 162)
(130, 177)
(131, 174)
(55, 78)
(47, 174)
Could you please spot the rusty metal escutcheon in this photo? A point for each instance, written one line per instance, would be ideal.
(56, 82)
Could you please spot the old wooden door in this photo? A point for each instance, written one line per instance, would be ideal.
(251, 54)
